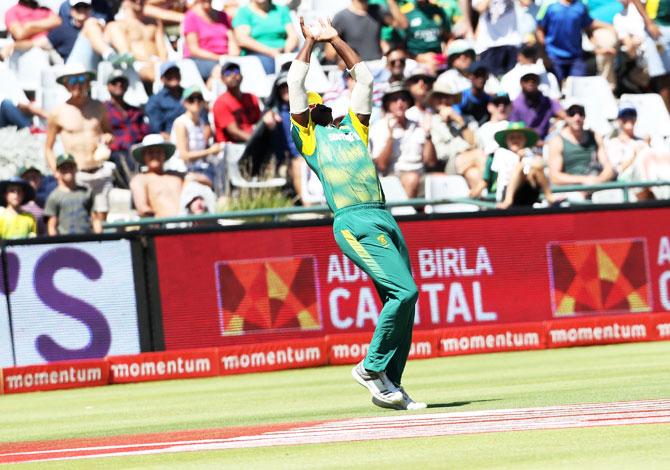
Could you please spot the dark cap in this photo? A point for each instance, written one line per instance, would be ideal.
(28, 191)
(65, 158)
(478, 68)
(169, 65)
(230, 66)
(501, 98)
(627, 111)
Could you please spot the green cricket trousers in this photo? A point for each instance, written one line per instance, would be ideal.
(370, 237)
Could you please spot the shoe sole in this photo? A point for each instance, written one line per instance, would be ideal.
(363, 383)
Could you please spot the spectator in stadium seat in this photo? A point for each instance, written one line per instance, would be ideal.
(498, 37)
(453, 141)
(264, 29)
(192, 134)
(81, 36)
(499, 108)
(360, 25)
(419, 83)
(560, 32)
(165, 106)
(157, 192)
(577, 155)
(656, 17)
(235, 112)
(427, 31)
(529, 55)
(604, 39)
(85, 133)
(209, 36)
(533, 107)
(128, 124)
(28, 24)
(520, 170)
(138, 39)
(633, 159)
(15, 222)
(394, 71)
(68, 206)
(197, 199)
(400, 145)
(474, 100)
(43, 185)
(460, 57)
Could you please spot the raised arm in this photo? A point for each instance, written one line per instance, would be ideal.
(297, 94)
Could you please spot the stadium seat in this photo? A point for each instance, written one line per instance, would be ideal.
(311, 192)
(189, 77)
(446, 187)
(394, 192)
(51, 94)
(598, 99)
(608, 196)
(254, 78)
(120, 206)
(233, 154)
(652, 116)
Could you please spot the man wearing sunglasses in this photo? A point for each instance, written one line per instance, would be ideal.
(84, 129)
(364, 229)
(577, 155)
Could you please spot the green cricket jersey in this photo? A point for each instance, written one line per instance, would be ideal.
(339, 156)
(428, 24)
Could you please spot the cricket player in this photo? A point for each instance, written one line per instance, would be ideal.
(364, 229)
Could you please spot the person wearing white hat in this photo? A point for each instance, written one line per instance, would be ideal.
(83, 126)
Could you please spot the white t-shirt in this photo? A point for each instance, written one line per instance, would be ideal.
(629, 23)
(511, 82)
(498, 25)
(504, 162)
(486, 135)
(461, 83)
(408, 142)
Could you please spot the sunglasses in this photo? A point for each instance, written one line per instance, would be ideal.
(77, 79)
(118, 82)
(195, 99)
(575, 111)
(398, 61)
(425, 80)
(234, 71)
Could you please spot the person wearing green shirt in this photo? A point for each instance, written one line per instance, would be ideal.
(428, 27)
(364, 229)
(265, 30)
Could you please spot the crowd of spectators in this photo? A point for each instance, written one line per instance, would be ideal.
(469, 88)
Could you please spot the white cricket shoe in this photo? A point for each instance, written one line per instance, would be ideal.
(379, 385)
(407, 404)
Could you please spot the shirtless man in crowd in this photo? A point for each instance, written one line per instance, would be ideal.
(85, 132)
(156, 193)
(138, 39)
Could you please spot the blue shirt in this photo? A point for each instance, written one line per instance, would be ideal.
(562, 26)
(64, 36)
(162, 109)
(474, 105)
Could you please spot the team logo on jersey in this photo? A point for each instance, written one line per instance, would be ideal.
(382, 240)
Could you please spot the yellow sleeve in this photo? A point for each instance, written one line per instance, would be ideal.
(361, 129)
(304, 137)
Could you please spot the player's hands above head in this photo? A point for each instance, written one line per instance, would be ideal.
(307, 34)
(324, 31)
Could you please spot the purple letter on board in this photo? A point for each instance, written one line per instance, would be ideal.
(46, 268)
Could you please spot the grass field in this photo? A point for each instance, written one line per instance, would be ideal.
(479, 382)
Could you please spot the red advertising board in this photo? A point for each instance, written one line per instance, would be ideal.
(145, 367)
(55, 376)
(250, 286)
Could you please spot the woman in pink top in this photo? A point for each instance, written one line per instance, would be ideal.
(209, 35)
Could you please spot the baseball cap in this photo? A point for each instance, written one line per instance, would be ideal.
(65, 158)
(26, 168)
(190, 91)
(230, 66)
(167, 66)
(117, 74)
(314, 98)
(627, 110)
(478, 68)
(501, 98)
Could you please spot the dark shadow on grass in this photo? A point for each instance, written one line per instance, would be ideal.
(455, 404)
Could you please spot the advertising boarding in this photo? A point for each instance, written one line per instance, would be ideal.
(248, 286)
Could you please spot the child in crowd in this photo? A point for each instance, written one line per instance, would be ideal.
(520, 171)
(14, 222)
(68, 206)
